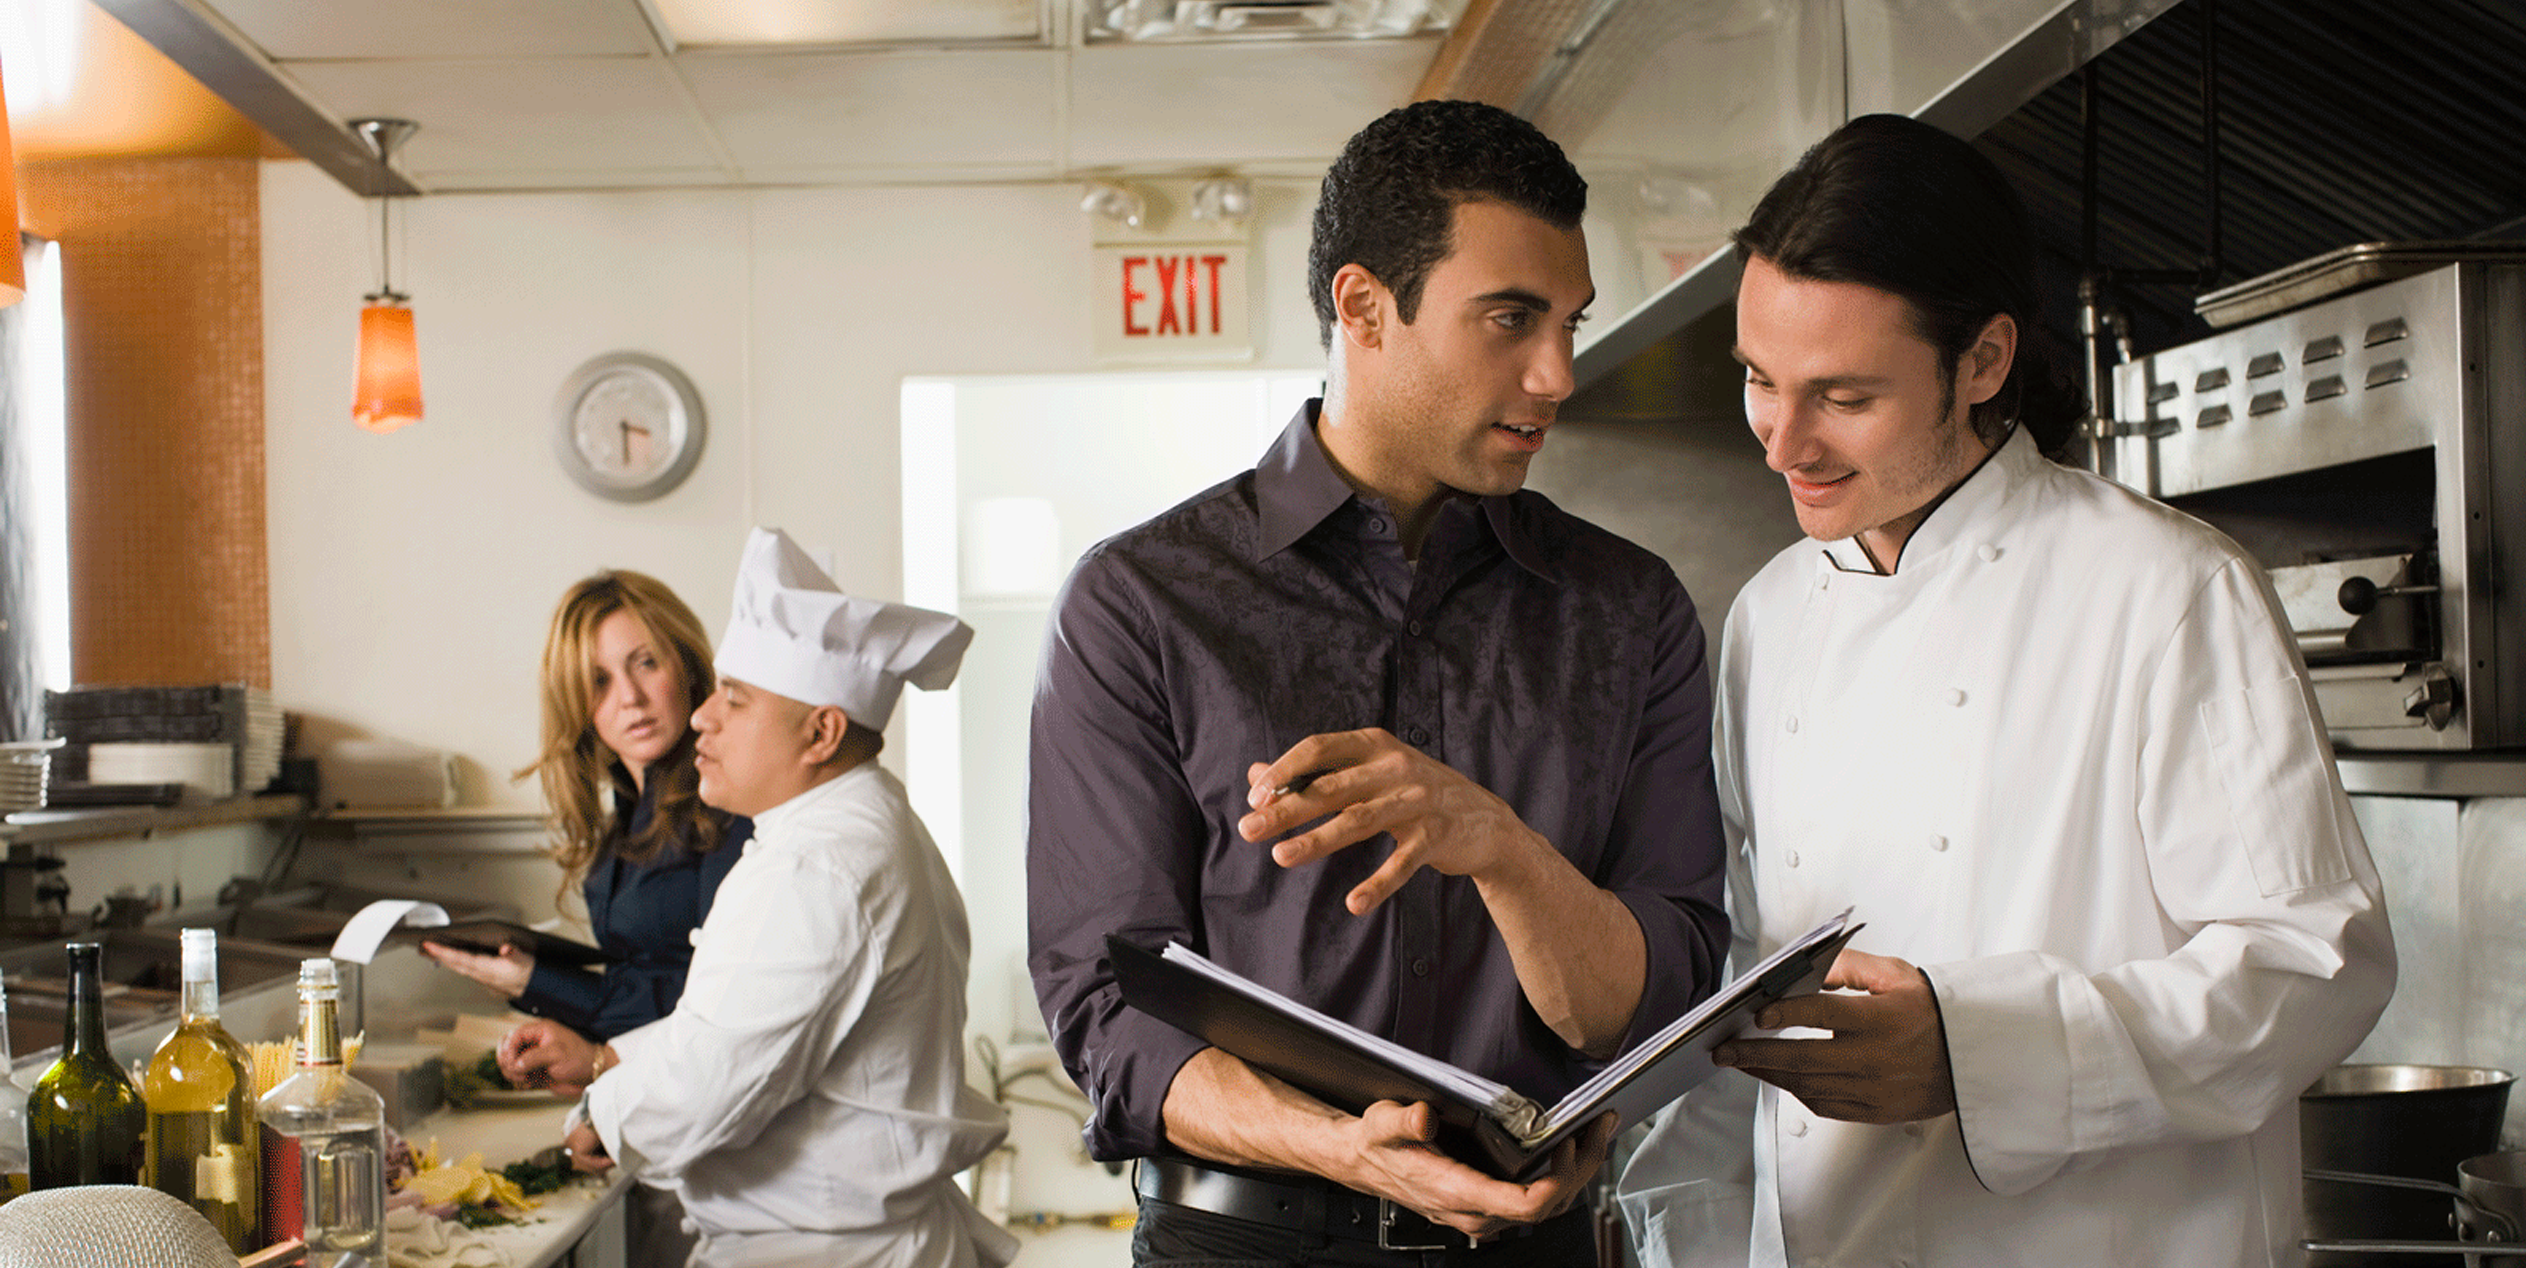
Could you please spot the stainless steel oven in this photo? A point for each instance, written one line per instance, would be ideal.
(2369, 447)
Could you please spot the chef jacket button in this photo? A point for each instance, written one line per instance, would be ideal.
(1989, 552)
(1825, 582)
(1793, 724)
(1798, 1128)
(1793, 858)
(1912, 1130)
(1956, 696)
(1939, 844)
(1420, 966)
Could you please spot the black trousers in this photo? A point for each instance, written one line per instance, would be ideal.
(1170, 1236)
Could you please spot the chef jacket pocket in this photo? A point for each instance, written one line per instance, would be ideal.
(2270, 757)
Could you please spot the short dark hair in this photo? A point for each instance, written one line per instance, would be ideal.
(1389, 201)
(1893, 203)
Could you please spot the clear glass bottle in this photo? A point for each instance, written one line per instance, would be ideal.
(85, 1123)
(340, 1126)
(204, 1144)
(12, 1117)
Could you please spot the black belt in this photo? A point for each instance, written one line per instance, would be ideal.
(1307, 1204)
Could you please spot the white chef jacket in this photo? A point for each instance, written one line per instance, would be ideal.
(2065, 759)
(807, 1096)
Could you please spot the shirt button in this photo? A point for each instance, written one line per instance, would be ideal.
(1413, 629)
(1989, 552)
(1420, 966)
(1376, 525)
(1793, 858)
(1956, 696)
(1939, 844)
(1793, 724)
(1418, 736)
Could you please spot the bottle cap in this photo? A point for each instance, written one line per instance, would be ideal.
(201, 955)
(316, 975)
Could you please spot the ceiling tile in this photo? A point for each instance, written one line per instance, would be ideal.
(290, 29)
(580, 115)
(893, 110)
(1232, 103)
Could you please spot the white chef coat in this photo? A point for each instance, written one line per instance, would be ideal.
(807, 1096)
(2065, 759)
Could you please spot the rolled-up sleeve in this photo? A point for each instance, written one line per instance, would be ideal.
(1665, 857)
(1113, 845)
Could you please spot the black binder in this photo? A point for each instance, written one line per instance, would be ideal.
(484, 937)
(1482, 1123)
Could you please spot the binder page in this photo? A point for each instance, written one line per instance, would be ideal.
(1588, 1098)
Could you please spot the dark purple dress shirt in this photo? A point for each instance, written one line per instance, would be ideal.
(1549, 661)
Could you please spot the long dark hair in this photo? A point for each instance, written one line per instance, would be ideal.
(1893, 203)
(1389, 201)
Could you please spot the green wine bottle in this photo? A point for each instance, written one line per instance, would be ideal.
(205, 1144)
(85, 1123)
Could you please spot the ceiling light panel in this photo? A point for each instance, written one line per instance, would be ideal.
(1189, 21)
(758, 23)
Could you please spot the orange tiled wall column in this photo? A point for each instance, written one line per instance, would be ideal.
(162, 294)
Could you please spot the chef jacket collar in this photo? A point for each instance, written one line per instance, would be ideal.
(1296, 489)
(1967, 515)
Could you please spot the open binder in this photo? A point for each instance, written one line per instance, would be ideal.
(1485, 1124)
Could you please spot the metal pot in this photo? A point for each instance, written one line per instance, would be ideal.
(2418, 1122)
(2493, 1208)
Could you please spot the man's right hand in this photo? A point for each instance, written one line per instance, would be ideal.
(1224, 1110)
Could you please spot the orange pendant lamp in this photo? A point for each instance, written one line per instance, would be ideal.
(389, 391)
(13, 260)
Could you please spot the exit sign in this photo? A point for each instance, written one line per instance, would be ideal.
(1170, 301)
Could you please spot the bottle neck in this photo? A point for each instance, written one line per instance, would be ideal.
(201, 1001)
(87, 1006)
(319, 1034)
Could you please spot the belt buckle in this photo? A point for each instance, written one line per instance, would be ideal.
(1386, 1210)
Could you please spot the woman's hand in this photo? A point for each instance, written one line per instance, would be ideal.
(506, 973)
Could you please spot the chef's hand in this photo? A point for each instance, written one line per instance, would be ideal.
(1395, 1161)
(1371, 782)
(587, 1152)
(1887, 1059)
(506, 973)
(548, 1054)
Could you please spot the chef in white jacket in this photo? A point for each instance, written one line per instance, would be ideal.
(2053, 741)
(807, 1096)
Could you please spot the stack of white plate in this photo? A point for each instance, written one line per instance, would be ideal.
(24, 764)
(207, 771)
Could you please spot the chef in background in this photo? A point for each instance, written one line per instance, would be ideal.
(2056, 744)
(807, 1096)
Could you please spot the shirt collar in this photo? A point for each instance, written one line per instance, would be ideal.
(773, 824)
(1296, 489)
(1968, 514)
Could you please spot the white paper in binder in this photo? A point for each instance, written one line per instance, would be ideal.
(367, 774)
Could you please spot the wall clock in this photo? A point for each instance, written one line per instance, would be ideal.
(628, 426)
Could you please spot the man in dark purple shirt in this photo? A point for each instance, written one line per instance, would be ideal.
(1377, 728)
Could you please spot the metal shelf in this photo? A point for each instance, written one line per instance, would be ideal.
(2433, 774)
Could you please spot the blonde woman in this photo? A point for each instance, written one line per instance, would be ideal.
(624, 665)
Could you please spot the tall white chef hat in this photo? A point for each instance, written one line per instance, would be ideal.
(792, 631)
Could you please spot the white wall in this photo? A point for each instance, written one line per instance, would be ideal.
(412, 573)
